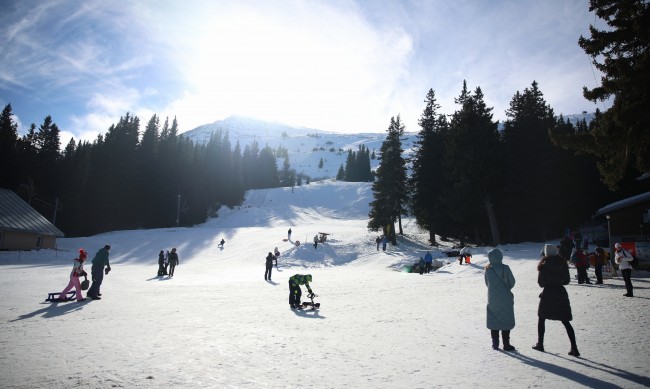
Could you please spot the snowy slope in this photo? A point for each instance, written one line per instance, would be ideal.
(217, 323)
(306, 147)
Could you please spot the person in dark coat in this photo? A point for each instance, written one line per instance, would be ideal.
(269, 266)
(161, 263)
(173, 261)
(566, 248)
(500, 308)
(581, 262)
(97, 272)
(553, 274)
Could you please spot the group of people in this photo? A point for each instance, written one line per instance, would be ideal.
(553, 275)
(100, 267)
(167, 260)
(425, 263)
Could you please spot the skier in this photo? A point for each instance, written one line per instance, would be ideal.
(294, 289)
(173, 261)
(77, 271)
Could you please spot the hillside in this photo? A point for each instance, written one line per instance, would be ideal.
(218, 323)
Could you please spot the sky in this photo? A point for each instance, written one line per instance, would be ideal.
(218, 324)
(344, 66)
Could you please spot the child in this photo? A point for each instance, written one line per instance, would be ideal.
(77, 271)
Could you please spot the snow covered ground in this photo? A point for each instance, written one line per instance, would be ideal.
(217, 323)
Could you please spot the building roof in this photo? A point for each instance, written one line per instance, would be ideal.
(17, 215)
(624, 203)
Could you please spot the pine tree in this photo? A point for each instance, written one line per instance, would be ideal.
(390, 186)
(472, 164)
(620, 137)
(427, 179)
(340, 176)
(8, 141)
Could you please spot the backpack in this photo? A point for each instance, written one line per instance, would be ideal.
(634, 262)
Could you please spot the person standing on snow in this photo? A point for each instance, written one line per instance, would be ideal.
(428, 262)
(269, 266)
(97, 272)
(581, 262)
(378, 241)
(315, 241)
(623, 258)
(294, 288)
(77, 271)
(161, 263)
(500, 308)
(553, 274)
(289, 234)
(173, 261)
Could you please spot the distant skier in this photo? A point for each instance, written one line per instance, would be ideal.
(294, 288)
(269, 266)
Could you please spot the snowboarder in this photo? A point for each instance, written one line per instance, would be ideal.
(77, 271)
(289, 234)
(97, 272)
(269, 266)
(554, 304)
(294, 288)
(500, 308)
(428, 262)
(161, 263)
(173, 261)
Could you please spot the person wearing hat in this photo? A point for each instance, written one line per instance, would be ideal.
(623, 258)
(294, 288)
(501, 302)
(97, 271)
(77, 271)
(553, 274)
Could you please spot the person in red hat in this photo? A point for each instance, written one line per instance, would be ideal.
(77, 271)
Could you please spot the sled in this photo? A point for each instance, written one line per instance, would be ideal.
(285, 240)
(54, 296)
(311, 303)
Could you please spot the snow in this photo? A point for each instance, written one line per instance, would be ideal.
(217, 323)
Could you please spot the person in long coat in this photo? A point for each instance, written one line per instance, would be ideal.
(500, 308)
(553, 274)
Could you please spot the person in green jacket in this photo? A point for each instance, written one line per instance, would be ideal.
(294, 288)
(97, 272)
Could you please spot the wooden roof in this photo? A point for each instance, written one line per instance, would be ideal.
(17, 215)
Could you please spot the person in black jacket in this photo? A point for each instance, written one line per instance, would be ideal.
(173, 261)
(554, 300)
(269, 266)
(161, 263)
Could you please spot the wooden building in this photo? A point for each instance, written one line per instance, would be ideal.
(628, 221)
(22, 227)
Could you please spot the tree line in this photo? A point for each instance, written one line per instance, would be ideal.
(541, 173)
(131, 178)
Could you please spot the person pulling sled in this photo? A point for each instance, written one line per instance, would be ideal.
(294, 289)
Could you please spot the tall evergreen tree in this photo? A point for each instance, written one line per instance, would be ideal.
(620, 137)
(473, 165)
(8, 140)
(390, 186)
(427, 179)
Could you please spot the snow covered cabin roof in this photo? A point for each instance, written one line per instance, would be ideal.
(17, 215)
(624, 203)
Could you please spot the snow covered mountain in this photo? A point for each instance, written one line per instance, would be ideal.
(306, 146)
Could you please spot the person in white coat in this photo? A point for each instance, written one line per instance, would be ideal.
(623, 258)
